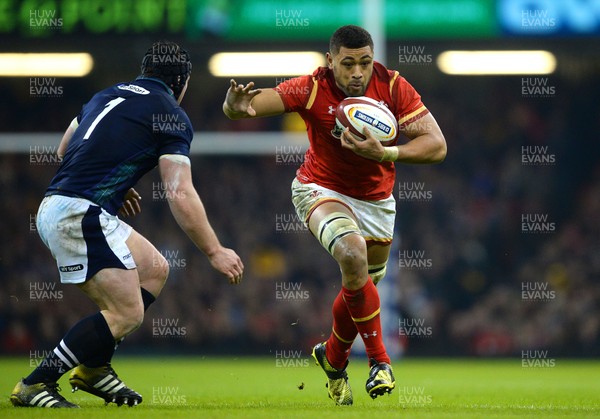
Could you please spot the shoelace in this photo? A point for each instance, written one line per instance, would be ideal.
(54, 388)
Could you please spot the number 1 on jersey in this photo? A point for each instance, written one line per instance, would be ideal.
(107, 109)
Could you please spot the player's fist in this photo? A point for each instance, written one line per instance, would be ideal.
(369, 148)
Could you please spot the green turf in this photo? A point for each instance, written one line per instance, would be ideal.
(247, 388)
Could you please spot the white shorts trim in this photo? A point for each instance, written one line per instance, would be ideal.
(375, 218)
(83, 237)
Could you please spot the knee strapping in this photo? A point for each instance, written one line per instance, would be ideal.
(377, 272)
(335, 226)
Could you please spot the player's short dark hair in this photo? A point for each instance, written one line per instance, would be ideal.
(168, 62)
(349, 36)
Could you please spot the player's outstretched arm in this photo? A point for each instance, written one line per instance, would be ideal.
(246, 102)
(189, 212)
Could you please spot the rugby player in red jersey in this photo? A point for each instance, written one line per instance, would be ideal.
(343, 190)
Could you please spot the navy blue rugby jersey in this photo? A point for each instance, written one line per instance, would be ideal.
(122, 132)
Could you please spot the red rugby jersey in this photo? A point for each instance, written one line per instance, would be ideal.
(315, 98)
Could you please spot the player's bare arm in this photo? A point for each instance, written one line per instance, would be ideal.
(64, 142)
(246, 102)
(189, 212)
(427, 144)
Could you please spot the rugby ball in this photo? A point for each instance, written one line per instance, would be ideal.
(361, 111)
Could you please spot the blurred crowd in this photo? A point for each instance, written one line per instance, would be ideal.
(508, 245)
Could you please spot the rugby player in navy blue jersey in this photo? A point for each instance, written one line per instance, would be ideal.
(121, 133)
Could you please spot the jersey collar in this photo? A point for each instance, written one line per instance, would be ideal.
(169, 90)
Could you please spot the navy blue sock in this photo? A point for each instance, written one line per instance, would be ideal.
(90, 338)
(147, 298)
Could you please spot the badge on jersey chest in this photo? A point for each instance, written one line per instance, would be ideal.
(337, 131)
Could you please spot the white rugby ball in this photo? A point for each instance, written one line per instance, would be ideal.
(361, 111)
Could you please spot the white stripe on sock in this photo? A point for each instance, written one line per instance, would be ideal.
(62, 357)
(68, 351)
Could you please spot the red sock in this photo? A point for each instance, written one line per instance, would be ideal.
(363, 305)
(342, 336)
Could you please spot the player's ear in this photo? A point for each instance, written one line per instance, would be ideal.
(329, 58)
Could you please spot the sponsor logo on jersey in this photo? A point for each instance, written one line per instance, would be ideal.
(133, 88)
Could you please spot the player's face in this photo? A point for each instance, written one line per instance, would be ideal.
(352, 69)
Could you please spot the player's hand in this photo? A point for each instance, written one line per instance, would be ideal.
(131, 204)
(369, 148)
(228, 263)
(238, 98)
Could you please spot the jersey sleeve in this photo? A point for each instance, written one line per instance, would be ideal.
(410, 107)
(82, 112)
(295, 92)
(175, 133)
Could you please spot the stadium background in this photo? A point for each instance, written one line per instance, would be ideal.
(468, 275)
